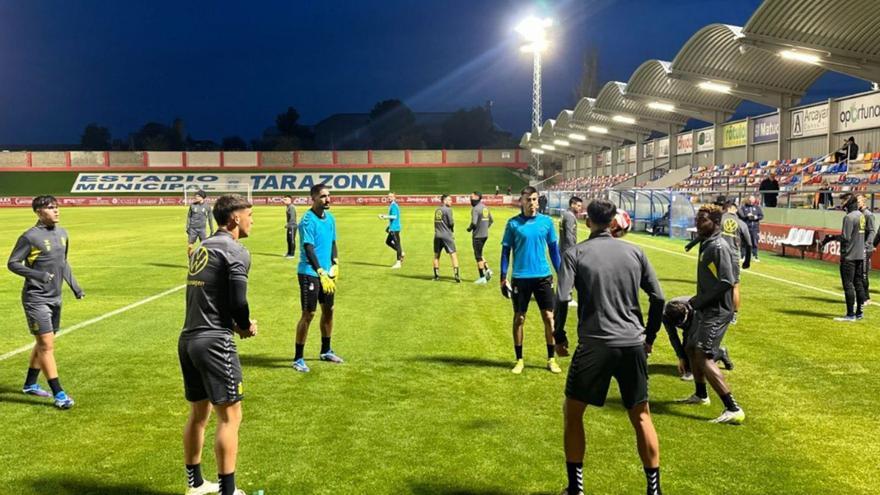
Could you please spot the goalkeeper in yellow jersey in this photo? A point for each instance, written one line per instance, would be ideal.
(317, 272)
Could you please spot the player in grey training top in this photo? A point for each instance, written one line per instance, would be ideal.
(612, 340)
(568, 224)
(291, 225)
(852, 257)
(481, 220)
(197, 219)
(444, 239)
(713, 306)
(870, 234)
(736, 233)
(40, 256)
(568, 227)
(216, 306)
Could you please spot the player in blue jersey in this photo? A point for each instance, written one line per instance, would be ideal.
(393, 229)
(530, 236)
(317, 271)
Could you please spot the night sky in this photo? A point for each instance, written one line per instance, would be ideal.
(227, 68)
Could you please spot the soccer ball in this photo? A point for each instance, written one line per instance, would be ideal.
(621, 224)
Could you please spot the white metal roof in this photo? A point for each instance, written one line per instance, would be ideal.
(714, 53)
(612, 101)
(842, 32)
(652, 81)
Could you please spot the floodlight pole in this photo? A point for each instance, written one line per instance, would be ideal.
(536, 103)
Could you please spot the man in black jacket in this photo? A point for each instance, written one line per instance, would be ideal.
(849, 151)
(768, 190)
(752, 214)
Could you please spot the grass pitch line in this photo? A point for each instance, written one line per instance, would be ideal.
(96, 319)
(769, 277)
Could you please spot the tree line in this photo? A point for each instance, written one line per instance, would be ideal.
(391, 125)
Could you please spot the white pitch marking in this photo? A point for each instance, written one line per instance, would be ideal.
(770, 277)
(96, 319)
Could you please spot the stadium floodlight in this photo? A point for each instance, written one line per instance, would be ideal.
(807, 58)
(537, 151)
(715, 87)
(624, 119)
(598, 129)
(663, 107)
(561, 142)
(577, 137)
(548, 147)
(534, 32)
(534, 29)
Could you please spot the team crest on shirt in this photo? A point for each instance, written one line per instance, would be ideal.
(729, 226)
(438, 215)
(486, 213)
(862, 223)
(48, 244)
(198, 261)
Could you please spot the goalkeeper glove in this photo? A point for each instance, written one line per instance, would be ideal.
(506, 290)
(327, 283)
(334, 272)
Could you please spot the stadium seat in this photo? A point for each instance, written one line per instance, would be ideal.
(801, 239)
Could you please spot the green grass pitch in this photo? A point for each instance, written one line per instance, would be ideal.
(425, 403)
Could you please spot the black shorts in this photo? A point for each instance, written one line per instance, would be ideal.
(42, 317)
(211, 369)
(311, 293)
(708, 331)
(523, 288)
(478, 243)
(441, 244)
(593, 365)
(193, 234)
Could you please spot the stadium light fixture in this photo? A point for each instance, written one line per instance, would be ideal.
(664, 107)
(537, 151)
(534, 32)
(807, 58)
(561, 142)
(534, 29)
(598, 129)
(577, 137)
(548, 147)
(624, 119)
(715, 87)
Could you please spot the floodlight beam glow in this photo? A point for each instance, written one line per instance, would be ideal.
(577, 137)
(665, 107)
(561, 142)
(807, 58)
(548, 147)
(623, 119)
(715, 87)
(597, 129)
